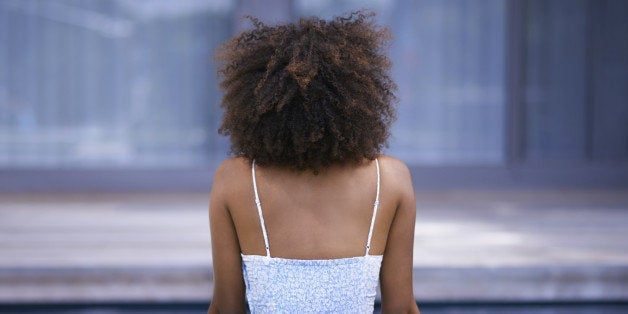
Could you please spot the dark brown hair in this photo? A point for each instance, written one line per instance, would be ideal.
(309, 94)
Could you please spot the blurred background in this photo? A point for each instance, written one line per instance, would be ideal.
(513, 118)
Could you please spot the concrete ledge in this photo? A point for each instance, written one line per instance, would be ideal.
(593, 283)
(111, 284)
(522, 284)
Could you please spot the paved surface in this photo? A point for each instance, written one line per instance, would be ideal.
(470, 246)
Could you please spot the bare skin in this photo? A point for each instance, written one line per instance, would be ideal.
(311, 216)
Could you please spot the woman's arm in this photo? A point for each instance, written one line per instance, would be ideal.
(396, 272)
(227, 263)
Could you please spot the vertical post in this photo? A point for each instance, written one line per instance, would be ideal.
(515, 81)
(590, 75)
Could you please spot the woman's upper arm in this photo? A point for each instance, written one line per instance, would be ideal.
(397, 265)
(229, 288)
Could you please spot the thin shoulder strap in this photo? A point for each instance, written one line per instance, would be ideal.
(259, 209)
(375, 205)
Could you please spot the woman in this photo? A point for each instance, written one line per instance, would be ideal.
(309, 216)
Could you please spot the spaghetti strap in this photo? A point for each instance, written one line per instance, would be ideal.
(259, 209)
(375, 205)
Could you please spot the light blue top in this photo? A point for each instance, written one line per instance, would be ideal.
(282, 285)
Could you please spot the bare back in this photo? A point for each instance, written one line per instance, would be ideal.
(311, 216)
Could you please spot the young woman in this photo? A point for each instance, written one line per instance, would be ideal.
(309, 216)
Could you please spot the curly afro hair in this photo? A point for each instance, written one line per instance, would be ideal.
(310, 94)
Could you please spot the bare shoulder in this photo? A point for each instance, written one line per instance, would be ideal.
(231, 174)
(396, 179)
(396, 170)
(230, 166)
(394, 165)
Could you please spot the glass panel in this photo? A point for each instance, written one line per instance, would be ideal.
(555, 86)
(120, 83)
(609, 79)
(576, 78)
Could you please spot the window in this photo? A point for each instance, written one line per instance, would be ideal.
(110, 84)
